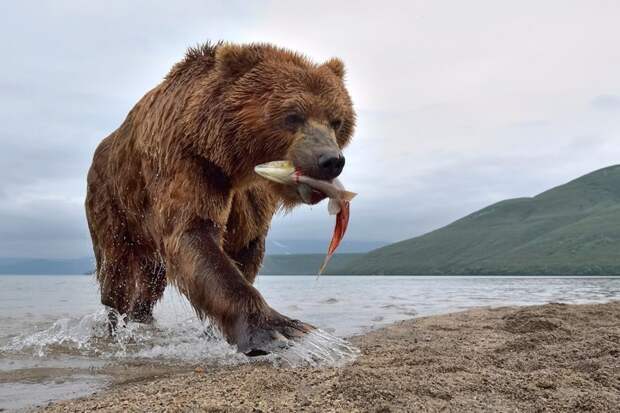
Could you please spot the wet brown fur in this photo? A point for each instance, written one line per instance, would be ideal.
(172, 196)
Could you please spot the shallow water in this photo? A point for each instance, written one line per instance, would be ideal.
(54, 341)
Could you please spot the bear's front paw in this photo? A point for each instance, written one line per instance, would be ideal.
(261, 334)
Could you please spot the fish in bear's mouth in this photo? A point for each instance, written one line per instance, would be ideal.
(310, 190)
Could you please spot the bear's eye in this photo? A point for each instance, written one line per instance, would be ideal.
(336, 124)
(294, 120)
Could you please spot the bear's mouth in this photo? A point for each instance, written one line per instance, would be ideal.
(312, 191)
(310, 195)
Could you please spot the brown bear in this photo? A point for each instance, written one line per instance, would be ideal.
(172, 195)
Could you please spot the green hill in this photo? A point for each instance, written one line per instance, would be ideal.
(570, 229)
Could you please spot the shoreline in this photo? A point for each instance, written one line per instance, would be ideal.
(559, 357)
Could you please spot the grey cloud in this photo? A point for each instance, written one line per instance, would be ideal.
(43, 228)
(606, 102)
(531, 124)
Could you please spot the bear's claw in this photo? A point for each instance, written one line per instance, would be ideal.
(265, 335)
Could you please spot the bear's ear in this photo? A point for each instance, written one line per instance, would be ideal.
(233, 61)
(335, 65)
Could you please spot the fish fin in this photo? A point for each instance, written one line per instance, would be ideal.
(342, 222)
(347, 195)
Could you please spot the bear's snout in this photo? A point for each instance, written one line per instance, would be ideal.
(331, 164)
(316, 153)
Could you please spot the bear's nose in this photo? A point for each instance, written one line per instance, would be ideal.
(330, 165)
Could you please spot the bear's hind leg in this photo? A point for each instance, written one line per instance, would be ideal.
(131, 285)
(114, 290)
(149, 288)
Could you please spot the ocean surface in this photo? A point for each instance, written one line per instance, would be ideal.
(55, 344)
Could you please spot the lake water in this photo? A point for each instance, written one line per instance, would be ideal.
(54, 341)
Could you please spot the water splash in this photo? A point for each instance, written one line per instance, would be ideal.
(189, 340)
(65, 335)
(317, 349)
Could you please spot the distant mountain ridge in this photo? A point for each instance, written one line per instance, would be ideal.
(312, 246)
(284, 257)
(279, 264)
(43, 266)
(300, 264)
(570, 229)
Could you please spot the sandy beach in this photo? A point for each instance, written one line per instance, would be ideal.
(542, 358)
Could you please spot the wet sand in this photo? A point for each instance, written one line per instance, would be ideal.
(541, 358)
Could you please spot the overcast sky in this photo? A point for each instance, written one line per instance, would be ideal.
(460, 104)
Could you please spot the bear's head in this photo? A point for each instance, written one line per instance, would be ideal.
(280, 106)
